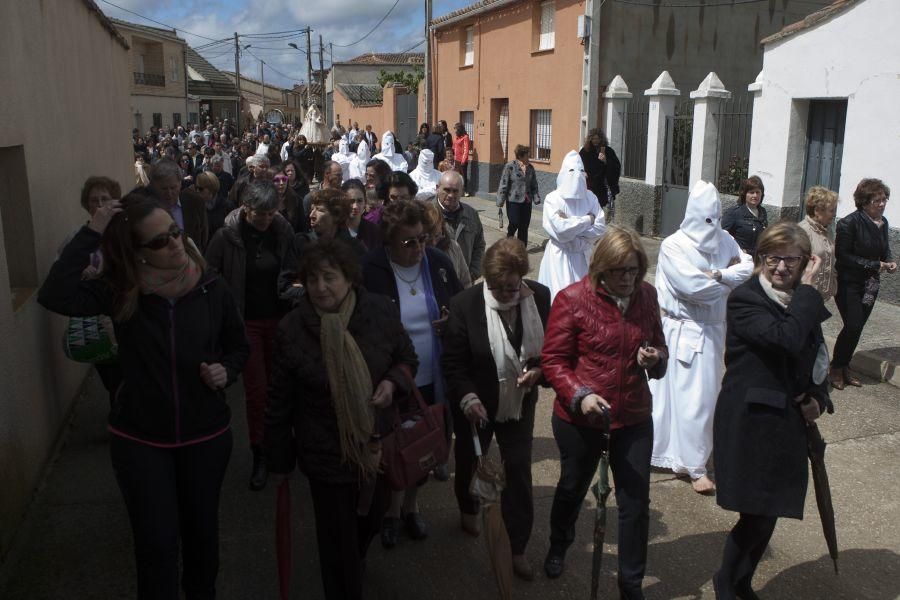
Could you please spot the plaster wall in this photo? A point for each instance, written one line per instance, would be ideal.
(158, 53)
(364, 115)
(83, 91)
(507, 66)
(145, 106)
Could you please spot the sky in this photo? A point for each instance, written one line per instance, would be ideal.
(341, 22)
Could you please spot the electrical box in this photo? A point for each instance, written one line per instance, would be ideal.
(584, 26)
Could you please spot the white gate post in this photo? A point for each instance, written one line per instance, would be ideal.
(662, 96)
(705, 138)
(617, 96)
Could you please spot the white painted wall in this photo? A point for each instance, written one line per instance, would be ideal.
(855, 55)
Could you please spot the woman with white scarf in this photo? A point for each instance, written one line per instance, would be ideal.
(491, 362)
(389, 154)
(357, 167)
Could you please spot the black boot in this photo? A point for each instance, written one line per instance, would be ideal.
(260, 473)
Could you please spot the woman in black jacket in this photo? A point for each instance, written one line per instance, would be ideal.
(747, 220)
(602, 167)
(421, 281)
(498, 321)
(775, 383)
(862, 253)
(181, 342)
(334, 373)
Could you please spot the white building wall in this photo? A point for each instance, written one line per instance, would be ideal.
(855, 55)
(147, 105)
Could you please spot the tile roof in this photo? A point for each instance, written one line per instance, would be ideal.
(315, 88)
(166, 33)
(832, 10)
(387, 58)
(362, 94)
(215, 84)
(478, 6)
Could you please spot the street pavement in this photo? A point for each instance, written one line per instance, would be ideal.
(75, 542)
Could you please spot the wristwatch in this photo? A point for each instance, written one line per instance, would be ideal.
(717, 275)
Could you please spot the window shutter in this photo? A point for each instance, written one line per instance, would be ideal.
(548, 14)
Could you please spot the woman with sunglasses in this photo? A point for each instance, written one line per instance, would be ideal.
(492, 364)
(181, 342)
(421, 281)
(775, 383)
(603, 341)
(248, 251)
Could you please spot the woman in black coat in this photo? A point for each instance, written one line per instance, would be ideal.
(862, 253)
(775, 382)
(505, 315)
(304, 423)
(747, 220)
(602, 167)
(181, 342)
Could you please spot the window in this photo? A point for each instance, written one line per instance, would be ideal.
(547, 37)
(173, 69)
(469, 47)
(176, 119)
(18, 227)
(541, 135)
(157, 120)
(467, 118)
(140, 63)
(193, 118)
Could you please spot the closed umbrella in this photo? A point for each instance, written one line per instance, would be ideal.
(500, 217)
(815, 448)
(487, 484)
(601, 490)
(283, 538)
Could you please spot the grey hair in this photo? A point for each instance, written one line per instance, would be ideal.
(260, 195)
(164, 168)
(258, 160)
(454, 174)
(216, 159)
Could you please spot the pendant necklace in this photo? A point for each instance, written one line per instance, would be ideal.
(411, 283)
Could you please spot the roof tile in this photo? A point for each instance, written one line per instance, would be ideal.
(387, 58)
(823, 14)
(362, 94)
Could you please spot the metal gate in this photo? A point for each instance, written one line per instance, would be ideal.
(503, 129)
(825, 143)
(676, 167)
(406, 118)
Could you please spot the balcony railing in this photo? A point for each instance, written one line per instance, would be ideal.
(149, 79)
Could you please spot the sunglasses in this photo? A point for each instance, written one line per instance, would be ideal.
(420, 240)
(506, 290)
(161, 241)
(280, 179)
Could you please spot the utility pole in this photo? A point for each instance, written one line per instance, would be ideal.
(262, 76)
(308, 68)
(428, 108)
(322, 73)
(239, 127)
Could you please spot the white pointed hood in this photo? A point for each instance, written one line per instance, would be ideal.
(362, 152)
(359, 161)
(387, 154)
(343, 158)
(703, 217)
(344, 148)
(571, 183)
(425, 175)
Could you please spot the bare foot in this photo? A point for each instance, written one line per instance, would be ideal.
(703, 485)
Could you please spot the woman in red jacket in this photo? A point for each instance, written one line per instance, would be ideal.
(461, 147)
(604, 338)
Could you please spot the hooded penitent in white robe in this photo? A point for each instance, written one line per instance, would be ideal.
(358, 163)
(566, 221)
(387, 154)
(343, 158)
(425, 175)
(693, 306)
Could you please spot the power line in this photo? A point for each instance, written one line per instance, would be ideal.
(377, 25)
(271, 68)
(411, 48)
(159, 22)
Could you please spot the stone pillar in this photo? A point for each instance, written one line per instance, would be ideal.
(617, 96)
(662, 96)
(757, 145)
(705, 138)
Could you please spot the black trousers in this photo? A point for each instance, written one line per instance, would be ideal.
(172, 493)
(744, 547)
(519, 216)
(514, 439)
(343, 535)
(629, 454)
(854, 314)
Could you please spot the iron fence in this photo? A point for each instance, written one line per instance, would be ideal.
(679, 137)
(735, 120)
(149, 79)
(633, 145)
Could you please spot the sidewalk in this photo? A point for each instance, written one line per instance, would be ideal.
(878, 353)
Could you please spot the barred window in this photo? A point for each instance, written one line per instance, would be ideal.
(173, 69)
(469, 53)
(467, 118)
(157, 120)
(541, 135)
(176, 119)
(547, 38)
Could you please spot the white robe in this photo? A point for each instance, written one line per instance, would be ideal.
(425, 176)
(572, 238)
(343, 158)
(357, 167)
(693, 321)
(395, 161)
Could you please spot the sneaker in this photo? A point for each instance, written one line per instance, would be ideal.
(522, 568)
(554, 565)
(441, 472)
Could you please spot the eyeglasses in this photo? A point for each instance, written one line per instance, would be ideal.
(280, 179)
(623, 271)
(161, 241)
(789, 261)
(420, 240)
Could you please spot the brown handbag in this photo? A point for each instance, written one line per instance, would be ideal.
(416, 444)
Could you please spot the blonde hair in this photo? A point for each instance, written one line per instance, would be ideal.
(505, 256)
(819, 197)
(209, 181)
(613, 250)
(780, 235)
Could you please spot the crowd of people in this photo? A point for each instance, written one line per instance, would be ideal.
(342, 286)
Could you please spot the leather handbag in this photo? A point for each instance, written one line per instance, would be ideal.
(417, 442)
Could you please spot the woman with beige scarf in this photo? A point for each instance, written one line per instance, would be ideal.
(334, 374)
(491, 361)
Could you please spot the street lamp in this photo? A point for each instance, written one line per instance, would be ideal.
(308, 68)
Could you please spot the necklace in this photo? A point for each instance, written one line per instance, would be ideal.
(411, 283)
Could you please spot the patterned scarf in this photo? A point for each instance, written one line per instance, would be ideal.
(169, 283)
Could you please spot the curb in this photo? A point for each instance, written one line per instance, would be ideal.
(872, 365)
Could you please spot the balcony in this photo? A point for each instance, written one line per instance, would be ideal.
(150, 79)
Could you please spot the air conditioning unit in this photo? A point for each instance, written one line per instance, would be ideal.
(584, 26)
